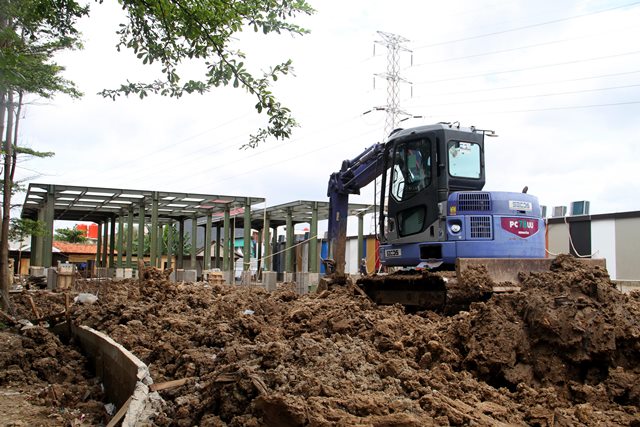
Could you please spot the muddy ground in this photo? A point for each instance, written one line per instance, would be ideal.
(563, 351)
(45, 382)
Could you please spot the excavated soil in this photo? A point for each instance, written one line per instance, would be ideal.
(563, 351)
(45, 382)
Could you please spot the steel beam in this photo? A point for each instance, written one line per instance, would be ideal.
(153, 251)
(246, 249)
(194, 241)
(289, 252)
(207, 242)
(313, 241)
(141, 231)
(129, 237)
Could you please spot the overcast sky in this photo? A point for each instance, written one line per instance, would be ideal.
(559, 81)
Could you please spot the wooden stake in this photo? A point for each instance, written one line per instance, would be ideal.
(120, 414)
(33, 307)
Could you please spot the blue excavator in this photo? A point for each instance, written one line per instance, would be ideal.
(435, 217)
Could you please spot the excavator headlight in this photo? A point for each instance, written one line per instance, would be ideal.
(455, 228)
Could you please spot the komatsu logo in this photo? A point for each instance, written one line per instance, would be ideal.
(522, 227)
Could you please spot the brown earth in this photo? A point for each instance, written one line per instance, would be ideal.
(563, 351)
(45, 382)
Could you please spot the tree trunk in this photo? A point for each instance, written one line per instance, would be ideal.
(7, 109)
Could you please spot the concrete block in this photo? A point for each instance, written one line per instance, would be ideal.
(190, 276)
(63, 282)
(101, 272)
(245, 278)
(289, 277)
(302, 282)
(52, 278)
(180, 275)
(269, 280)
(314, 279)
(37, 271)
(172, 276)
(119, 274)
(111, 272)
(65, 269)
(229, 277)
(128, 273)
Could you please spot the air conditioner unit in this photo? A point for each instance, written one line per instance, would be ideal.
(559, 211)
(580, 208)
(543, 211)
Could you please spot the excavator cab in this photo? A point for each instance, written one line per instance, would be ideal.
(425, 165)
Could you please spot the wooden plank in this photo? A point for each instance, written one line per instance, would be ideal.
(121, 413)
(169, 384)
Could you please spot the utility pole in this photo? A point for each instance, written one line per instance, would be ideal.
(394, 44)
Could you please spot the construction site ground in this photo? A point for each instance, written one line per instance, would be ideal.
(563, 351)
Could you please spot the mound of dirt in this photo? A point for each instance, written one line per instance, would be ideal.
(55, 374)
(564, 351)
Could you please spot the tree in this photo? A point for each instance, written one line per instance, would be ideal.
(174, 31)
(31, 32)
(71, 235)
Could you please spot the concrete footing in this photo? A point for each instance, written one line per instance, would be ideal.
(126, 379)
(245, 278)
(302, 283)
(123, 273)
(189, 276)
(289, 277)
(269, 280)
(229, 277)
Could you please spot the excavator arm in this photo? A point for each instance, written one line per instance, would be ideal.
(352, 176)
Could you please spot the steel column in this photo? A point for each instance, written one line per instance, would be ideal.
(194, 241)
(313, 242)
(47, 244)
(105, 244)
(180, 260)
(120, 243)
(153, 250)
(112, 241)
(268, 259)
(99, 248)
(141, 231)
(217, 247)
(207, 242)
(246, 249)
(288, 260)
(129, 237)
(227, 238)
(169, 244)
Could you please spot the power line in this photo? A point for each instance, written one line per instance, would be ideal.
(514, 49)
(491, 89)
(535, 67)
(524, 27)
(534, 96)
(569, 107)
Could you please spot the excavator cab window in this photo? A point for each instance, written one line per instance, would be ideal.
(464, 159)
(411, 169)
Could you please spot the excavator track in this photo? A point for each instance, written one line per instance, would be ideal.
(441, 291)
(474, 280)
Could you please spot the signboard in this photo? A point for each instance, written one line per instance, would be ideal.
(517, 205)
(522, 227)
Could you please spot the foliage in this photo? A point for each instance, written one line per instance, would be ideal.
(20, 228)
(71, 235)
(186, 248)
(173, 31)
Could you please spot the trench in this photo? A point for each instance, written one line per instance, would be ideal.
(126, 378)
